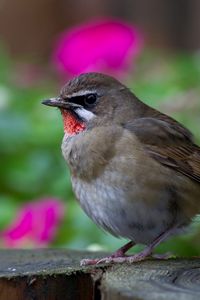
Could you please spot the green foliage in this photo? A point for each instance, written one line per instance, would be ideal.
(30, 135)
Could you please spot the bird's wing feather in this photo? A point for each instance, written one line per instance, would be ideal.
(169, 143)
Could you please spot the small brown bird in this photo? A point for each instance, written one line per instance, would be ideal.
(134, 170)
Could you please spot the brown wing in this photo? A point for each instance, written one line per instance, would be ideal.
(169, 143)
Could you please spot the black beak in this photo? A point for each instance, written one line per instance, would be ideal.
(55, 102)
(58, 102)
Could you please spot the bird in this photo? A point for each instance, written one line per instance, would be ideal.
(134, 170)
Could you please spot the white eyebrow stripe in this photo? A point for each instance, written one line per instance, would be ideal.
(85, 114)
(81, 93)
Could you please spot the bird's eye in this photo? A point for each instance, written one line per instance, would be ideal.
(89, 100)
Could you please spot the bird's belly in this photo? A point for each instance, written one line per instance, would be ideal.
(125, 212)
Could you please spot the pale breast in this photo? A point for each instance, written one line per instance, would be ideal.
(133, 196)
(127, 208)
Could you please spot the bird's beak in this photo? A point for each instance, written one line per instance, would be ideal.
(58, 102)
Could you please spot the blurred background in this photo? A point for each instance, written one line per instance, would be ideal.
(151, 46)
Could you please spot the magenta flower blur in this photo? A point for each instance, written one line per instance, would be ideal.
(107, 46)
(36, 224)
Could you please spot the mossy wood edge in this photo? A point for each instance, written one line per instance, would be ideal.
(48, 274)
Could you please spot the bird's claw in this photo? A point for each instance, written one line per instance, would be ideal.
(146, 253)
(111, 259)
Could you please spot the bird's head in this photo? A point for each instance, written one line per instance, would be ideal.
(91, 99)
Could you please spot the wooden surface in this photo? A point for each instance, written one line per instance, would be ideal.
(56, 274)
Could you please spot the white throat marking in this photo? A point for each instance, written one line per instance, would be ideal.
(85, 114)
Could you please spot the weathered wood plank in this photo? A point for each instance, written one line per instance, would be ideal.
(152, 280)
(51, 274)
(46, 274)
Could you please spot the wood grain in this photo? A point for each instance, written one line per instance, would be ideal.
(174, 279)
(50, 274)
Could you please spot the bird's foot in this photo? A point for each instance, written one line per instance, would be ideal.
(115, 258)
(120, 253)
(120, 257)
(97, 261)
(125, 259)
(112, 260)
(108, 259)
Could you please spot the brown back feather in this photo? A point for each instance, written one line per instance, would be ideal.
(169, 143)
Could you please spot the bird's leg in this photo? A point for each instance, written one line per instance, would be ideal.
(144, 253)
(117, 254)
(121, 251)
(119, 257)
(148, 250)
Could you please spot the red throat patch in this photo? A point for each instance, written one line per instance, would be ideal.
(71, 125)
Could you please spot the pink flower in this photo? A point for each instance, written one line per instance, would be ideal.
(36, 224)
(105, 45)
